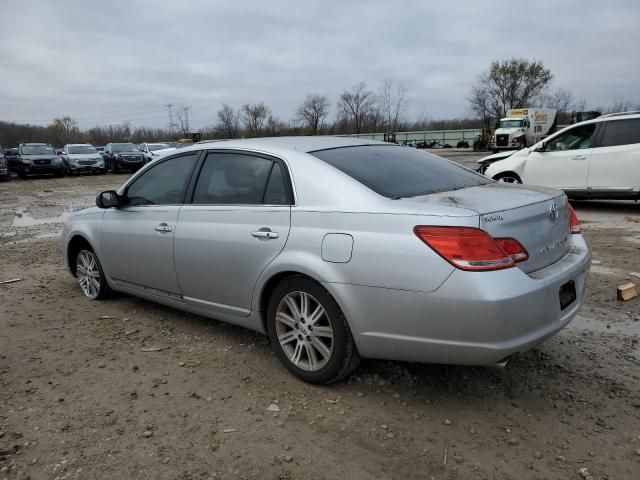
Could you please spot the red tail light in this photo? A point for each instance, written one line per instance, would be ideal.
(573, 221)
(468, 248)
(514, 249)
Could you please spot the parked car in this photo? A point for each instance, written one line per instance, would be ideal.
(154, 150)
(5, 174)
(38, 158)
(82, 158)
(11, 156)
(598, 158)
(122, 156)
(406, 257)
(100, 150)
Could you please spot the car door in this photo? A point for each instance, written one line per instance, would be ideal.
(563, 162)
(614, 168)
(237, 222)
(136, 239)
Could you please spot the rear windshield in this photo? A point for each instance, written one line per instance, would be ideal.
(398, 172)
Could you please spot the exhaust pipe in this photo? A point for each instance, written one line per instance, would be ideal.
(502, 363)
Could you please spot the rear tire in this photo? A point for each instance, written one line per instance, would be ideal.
(507, 177)
(90, 275)
(309, 333)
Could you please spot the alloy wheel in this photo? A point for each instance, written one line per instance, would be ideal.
(88, 274)
(304, 331)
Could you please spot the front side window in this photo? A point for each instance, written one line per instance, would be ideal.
(239, 179)
(163, 184)
(575, 139)
(620, 132)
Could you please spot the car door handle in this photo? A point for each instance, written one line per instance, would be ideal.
(163, 227)
(265, 234)
(579, 157)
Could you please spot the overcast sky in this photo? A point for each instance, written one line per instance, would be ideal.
(107, 61)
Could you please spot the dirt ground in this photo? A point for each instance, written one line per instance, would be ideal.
(80, 398)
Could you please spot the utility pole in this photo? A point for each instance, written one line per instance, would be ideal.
(186, 118)
(170, 109)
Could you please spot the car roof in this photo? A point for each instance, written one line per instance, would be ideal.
(302, 144)
(612, 117)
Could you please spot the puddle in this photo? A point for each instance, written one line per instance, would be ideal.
(40, 216)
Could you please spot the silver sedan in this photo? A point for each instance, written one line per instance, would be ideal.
(338, 249)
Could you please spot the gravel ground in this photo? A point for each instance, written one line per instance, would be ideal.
(81, 398)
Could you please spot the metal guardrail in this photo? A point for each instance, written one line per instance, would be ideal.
(451, 137)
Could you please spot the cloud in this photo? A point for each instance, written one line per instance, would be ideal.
(106, 62)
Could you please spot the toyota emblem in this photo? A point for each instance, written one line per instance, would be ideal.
(553, 212)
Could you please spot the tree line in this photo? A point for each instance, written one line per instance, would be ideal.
(506, 84)
(521, 82)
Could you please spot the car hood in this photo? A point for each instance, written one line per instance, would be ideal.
(496, 156)
(84, 156)
(132, 152)
(86, 211)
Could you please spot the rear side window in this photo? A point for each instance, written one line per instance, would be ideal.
(620, 132)
(240, 179)
(398, 172)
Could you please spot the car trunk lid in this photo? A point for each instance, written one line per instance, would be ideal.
(537, 217)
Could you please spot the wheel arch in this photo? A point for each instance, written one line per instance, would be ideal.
(76, 243)
(269, 286)
(507, 173)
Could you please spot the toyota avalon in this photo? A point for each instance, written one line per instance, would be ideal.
(338, 249)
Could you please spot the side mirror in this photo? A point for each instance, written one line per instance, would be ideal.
(542, 147)
(108, 199)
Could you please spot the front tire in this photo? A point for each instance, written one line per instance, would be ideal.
(90, 276)
(309, 332)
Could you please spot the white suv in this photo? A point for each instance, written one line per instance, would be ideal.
(599, 158)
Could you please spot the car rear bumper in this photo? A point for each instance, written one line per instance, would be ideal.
(474, 318)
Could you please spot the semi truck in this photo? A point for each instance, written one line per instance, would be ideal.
(522, 127)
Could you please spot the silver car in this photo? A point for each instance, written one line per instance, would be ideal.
(337, 249)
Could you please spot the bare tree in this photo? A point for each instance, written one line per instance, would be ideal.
(182, 117)
(254, 117)
(274, 126)
(480, 103)
(355, 105)
(392, 97)
(63, 130)
(512, 83)
(228, 125)
(313, 111)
